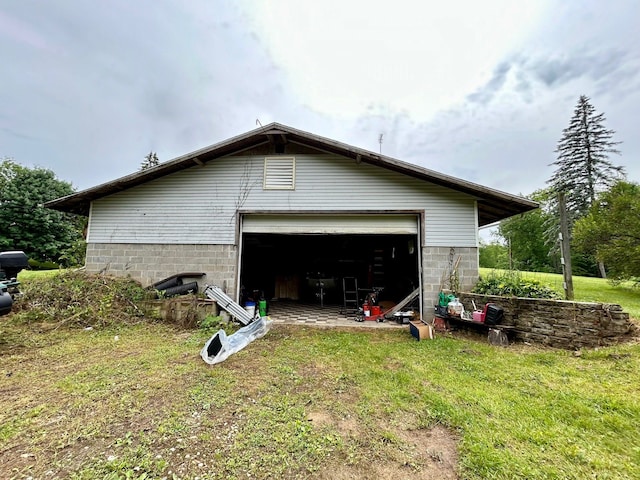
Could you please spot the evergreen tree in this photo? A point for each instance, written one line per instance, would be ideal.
(150, 160)
(583, 166)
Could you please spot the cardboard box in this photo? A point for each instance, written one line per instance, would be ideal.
(420, 330)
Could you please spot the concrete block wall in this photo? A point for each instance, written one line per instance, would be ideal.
(149, 263)
(436, 265)
(180, 311)
(560, 323)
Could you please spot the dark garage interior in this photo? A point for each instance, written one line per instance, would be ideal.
(278, 266)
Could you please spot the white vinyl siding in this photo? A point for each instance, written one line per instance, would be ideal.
(279, 173)
(199, 205)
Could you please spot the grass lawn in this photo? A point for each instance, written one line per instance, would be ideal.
(303, 402)
(26, 275)
(136, 401)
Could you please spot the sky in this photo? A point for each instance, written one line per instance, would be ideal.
(477, 90)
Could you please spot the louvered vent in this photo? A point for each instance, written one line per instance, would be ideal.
(279, 173)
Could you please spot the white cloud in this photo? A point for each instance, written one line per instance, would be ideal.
(412, 56)
(481, 90)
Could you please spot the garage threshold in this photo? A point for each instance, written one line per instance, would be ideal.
(290, 312)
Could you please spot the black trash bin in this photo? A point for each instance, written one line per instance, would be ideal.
(12, 262)
(495, 314)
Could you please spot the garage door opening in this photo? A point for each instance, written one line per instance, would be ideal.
(288, 266)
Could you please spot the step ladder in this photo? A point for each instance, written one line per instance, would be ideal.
(378, 268)
(351, 304)
(224, 301)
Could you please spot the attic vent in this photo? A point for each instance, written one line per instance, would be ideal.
(279, 173)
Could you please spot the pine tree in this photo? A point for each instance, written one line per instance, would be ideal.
(583, 166)
(150, 160)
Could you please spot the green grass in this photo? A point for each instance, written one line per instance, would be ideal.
(138, 401)
(26, 275)
(135, 400)
(588, 289)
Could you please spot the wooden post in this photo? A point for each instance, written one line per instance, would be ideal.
(565, 248)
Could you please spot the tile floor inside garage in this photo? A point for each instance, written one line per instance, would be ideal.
(328, 315)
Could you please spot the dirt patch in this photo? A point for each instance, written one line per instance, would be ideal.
(423, 454)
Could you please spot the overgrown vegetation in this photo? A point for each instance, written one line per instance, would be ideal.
(122, 400)
(78, 299)
(513, 284)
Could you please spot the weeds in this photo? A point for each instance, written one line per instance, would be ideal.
(211, 323)
(512, 284)
(78, 299)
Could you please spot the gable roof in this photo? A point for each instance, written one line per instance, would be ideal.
(493, 205)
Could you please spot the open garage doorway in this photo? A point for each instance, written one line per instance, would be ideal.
(290, 266)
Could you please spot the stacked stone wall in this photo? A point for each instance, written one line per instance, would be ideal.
(560, 323)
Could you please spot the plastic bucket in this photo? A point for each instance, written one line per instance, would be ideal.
(250, 307)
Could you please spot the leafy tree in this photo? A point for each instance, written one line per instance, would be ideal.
(493, 255)
(583, 166)
(525, 239)
(150, 160)
(611, 230)
(43, 234)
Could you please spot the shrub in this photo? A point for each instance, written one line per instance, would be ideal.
(511, 284)
(43, 265)
(79, 299)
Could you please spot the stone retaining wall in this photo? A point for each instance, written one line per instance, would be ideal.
(559, 323)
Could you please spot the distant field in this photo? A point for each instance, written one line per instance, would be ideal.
(588, 289)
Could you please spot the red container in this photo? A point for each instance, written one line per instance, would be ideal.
(375, 310)
(478, 316)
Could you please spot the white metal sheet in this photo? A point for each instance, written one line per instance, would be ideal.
(331, 224)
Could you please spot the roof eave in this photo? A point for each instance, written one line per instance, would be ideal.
(488, 211)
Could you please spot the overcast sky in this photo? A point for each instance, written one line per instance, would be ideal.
(477, 89)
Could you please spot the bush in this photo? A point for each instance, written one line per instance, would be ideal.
(511, 284)
(78, 299)
(44, 265)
